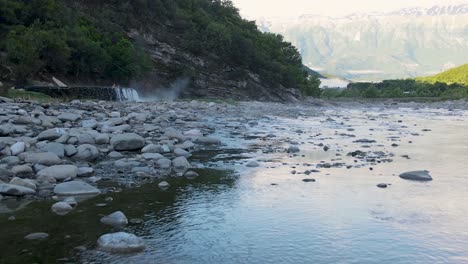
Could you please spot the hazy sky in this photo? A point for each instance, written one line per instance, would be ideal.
(261, 8)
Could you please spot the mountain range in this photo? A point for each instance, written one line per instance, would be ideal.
(375, 46)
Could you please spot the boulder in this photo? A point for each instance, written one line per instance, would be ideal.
(15, 190)
(152, 148)
(53, 147)
(68, 117)
(17, 148)
(416, 176)
(121, 242)
(130, 141)
(45, 158)
(50, 134)
(164, 163)
(86, 152)
(30, 184)
(181, 153)
(22, 170)
(61, 208)
(116, 219)
(59, 172)
(75, 188)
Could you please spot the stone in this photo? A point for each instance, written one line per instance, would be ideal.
(180, 164)
(164, 163)
(61, 208)
(151, 148)
(293, 149)
(24, 183)
(59, 172)
(10, 160)
(127, 142)
(102, 139)
(70, 150)
(191, 174)
(309, 180)
(120, 243)
(85, 172)
(416, 176)
(17, 148)
(382, 185)
(86, 152)
(45, 158)
(164, 185)
(53, 147)
(115, 155)
(68, 117)
(252, 164)
(22, 171)
(126, 163)
(91, 123)
(181, 153)
(36, 236)
(50, 134)
(116, 219)
(152, 156)
(75, 188)
(71, 201)
(208, 140)
(15, 190)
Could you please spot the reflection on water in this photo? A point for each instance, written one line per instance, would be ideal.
(341, 218)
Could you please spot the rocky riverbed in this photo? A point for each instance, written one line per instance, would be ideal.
(65, 153)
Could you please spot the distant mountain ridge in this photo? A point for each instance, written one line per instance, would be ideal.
(405, 43)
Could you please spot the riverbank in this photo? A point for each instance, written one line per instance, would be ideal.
(124, 150)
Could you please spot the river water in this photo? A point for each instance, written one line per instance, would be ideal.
(267, 214)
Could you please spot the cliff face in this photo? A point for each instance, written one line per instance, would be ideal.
(209, 78)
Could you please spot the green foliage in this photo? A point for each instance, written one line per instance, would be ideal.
(457, 75)
(399, 89)
(85, 38)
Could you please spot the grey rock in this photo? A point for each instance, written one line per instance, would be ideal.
(208, 140)
(164, 163)
(68, 117)
(128, 141)
(45, 158)
(86, 152)
(10, 160)
(53, 147)
(59, 172)
(116, 219)
(24, 182)
(61, 208)
(75, 188)
(152, 156)
(36, 236)
(181, 153)
(191, 174)
(85, 172)
(70, 150)
(102, 139)
(293, 149)
(253, 164)
(120, 243)
(115, 155)
(15, 190)
(17, 148)
(416, 176)
(125, 163)
(164, 185)
(181, 164)
(152, 148)
(51, 134)
(382, 185)
(22, 170)
(91, 123)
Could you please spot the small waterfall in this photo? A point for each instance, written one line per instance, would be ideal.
(127, 95)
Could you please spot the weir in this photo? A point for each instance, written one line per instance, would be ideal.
(125, 94)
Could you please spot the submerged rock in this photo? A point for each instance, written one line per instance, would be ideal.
(75, 188)
(121, 242)
(416, 176)
(36, 236)
(117, 219)
(61, 208)
(164, 185)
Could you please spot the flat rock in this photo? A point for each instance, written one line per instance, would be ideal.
(68, 117)
(152, 156)
(416, 176)
(59, 172)
(36, 236)
(22, 170)
(129, 141)
(24, 182)
(75, 188)
(45, 158)
(50, 134)
(120, 243)
(15, 190)
(17, 148)
(208, 140)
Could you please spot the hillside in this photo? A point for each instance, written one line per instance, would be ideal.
(406, 43)
(199, 48)
(455, 75)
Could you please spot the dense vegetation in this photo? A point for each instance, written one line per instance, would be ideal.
(398, 89)
(87, 39)
(456, 75)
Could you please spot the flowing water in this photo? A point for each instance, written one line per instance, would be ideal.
(269, 215)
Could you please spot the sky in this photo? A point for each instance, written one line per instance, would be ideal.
(291, 8)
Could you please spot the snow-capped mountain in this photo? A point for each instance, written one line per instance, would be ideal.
(374, 46)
